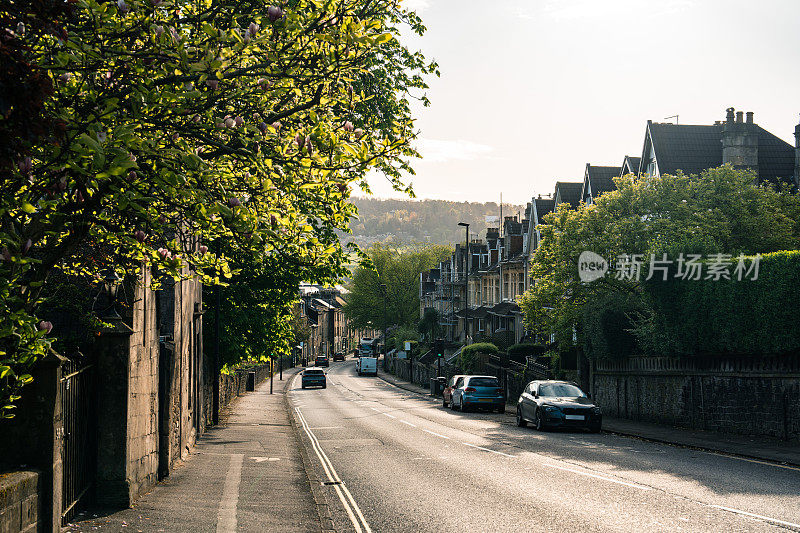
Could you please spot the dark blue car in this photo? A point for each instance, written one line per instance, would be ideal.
(313, 377)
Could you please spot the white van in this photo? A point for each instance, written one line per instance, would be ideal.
(367, 365)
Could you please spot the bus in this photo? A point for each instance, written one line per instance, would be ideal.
(368, 347)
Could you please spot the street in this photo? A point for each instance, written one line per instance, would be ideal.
(393, 460)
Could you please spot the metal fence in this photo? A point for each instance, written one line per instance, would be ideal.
(77, 403)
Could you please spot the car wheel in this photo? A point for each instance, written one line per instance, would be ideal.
(303, 386)
(452, 404)
(521, 422)
(325, 386)
(444, 402)
(539, 421)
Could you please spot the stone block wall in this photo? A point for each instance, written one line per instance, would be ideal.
(20, 508)
(142, 409)
(750, 396)
(235, 384)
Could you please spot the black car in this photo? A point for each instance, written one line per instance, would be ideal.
(339, 356)
(557, 404)
(321, 360)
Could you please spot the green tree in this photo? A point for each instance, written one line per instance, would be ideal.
(720, 211)
(398, 268)
(186, 122)
(428, 325)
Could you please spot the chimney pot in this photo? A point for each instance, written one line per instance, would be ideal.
(729, 115)
(749, 117)
(739, 117)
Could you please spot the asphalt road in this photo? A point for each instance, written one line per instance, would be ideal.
(393, 460)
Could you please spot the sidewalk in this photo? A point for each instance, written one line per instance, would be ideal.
(245, 475)
(758, 448)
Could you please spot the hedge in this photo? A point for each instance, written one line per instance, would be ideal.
(468, 357)
(727, 316)
(519, 352)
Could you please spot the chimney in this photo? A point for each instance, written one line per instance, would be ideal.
(797, 156)
(740, 141)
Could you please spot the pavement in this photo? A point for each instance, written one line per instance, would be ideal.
(753, 447)
(247, 474)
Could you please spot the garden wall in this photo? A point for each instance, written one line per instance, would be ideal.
(742, 395)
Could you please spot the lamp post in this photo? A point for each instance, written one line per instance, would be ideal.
(385, 340)
(466, 280)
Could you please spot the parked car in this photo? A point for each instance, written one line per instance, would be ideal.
(551, 404)
(339, 356)
(481, 392)
(313, 377)
(447, 393)
(322, 360)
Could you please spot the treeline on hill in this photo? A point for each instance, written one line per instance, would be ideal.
(382, 220)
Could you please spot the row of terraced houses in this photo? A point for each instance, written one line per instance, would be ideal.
(483, 279)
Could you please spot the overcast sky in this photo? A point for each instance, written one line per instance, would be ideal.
(532, 90)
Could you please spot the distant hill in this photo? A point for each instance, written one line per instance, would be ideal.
(421, 220)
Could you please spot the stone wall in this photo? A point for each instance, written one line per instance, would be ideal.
(235, 384)
(750, 396)
(20, 508)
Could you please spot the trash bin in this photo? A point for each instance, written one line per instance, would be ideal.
(251, 381)
(434, 387)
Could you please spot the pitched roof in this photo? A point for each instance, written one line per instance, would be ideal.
(568, 192)
(543, 206)
(694, 149)
(597, 180)
(630, 165)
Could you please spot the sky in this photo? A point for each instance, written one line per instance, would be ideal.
(532, 90)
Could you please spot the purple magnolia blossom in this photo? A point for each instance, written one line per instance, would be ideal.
(274, 13)
(212, 84)
(25, 166)
(45, 326)
(348, 126)
(203, 249)
(159, 30)
(123, 7)
(234, 202)
(239, 122)
(140, 235)
(27, 246)
(253, 29)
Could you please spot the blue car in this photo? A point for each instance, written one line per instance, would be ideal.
(313, 377)
(480, 392)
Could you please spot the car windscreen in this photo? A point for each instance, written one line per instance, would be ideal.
(314, 372)
(483, 382)
(564, 390)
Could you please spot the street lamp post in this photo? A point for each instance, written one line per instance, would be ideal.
(385, 296)
(466, 280)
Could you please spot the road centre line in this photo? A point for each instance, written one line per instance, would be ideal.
(760, 517)
(436, 434)
(612, 480)
(408, 423)
(387, 414)
(487, 450)
(344, 494)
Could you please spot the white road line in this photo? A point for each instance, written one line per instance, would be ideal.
(488, 450)
(328, 427)
(345, 497)
(436, 434)
(612, 480)
(226, 515)
(787, 467)
(408, 423)
(375, 409)
(760, 517)
(387, 414)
